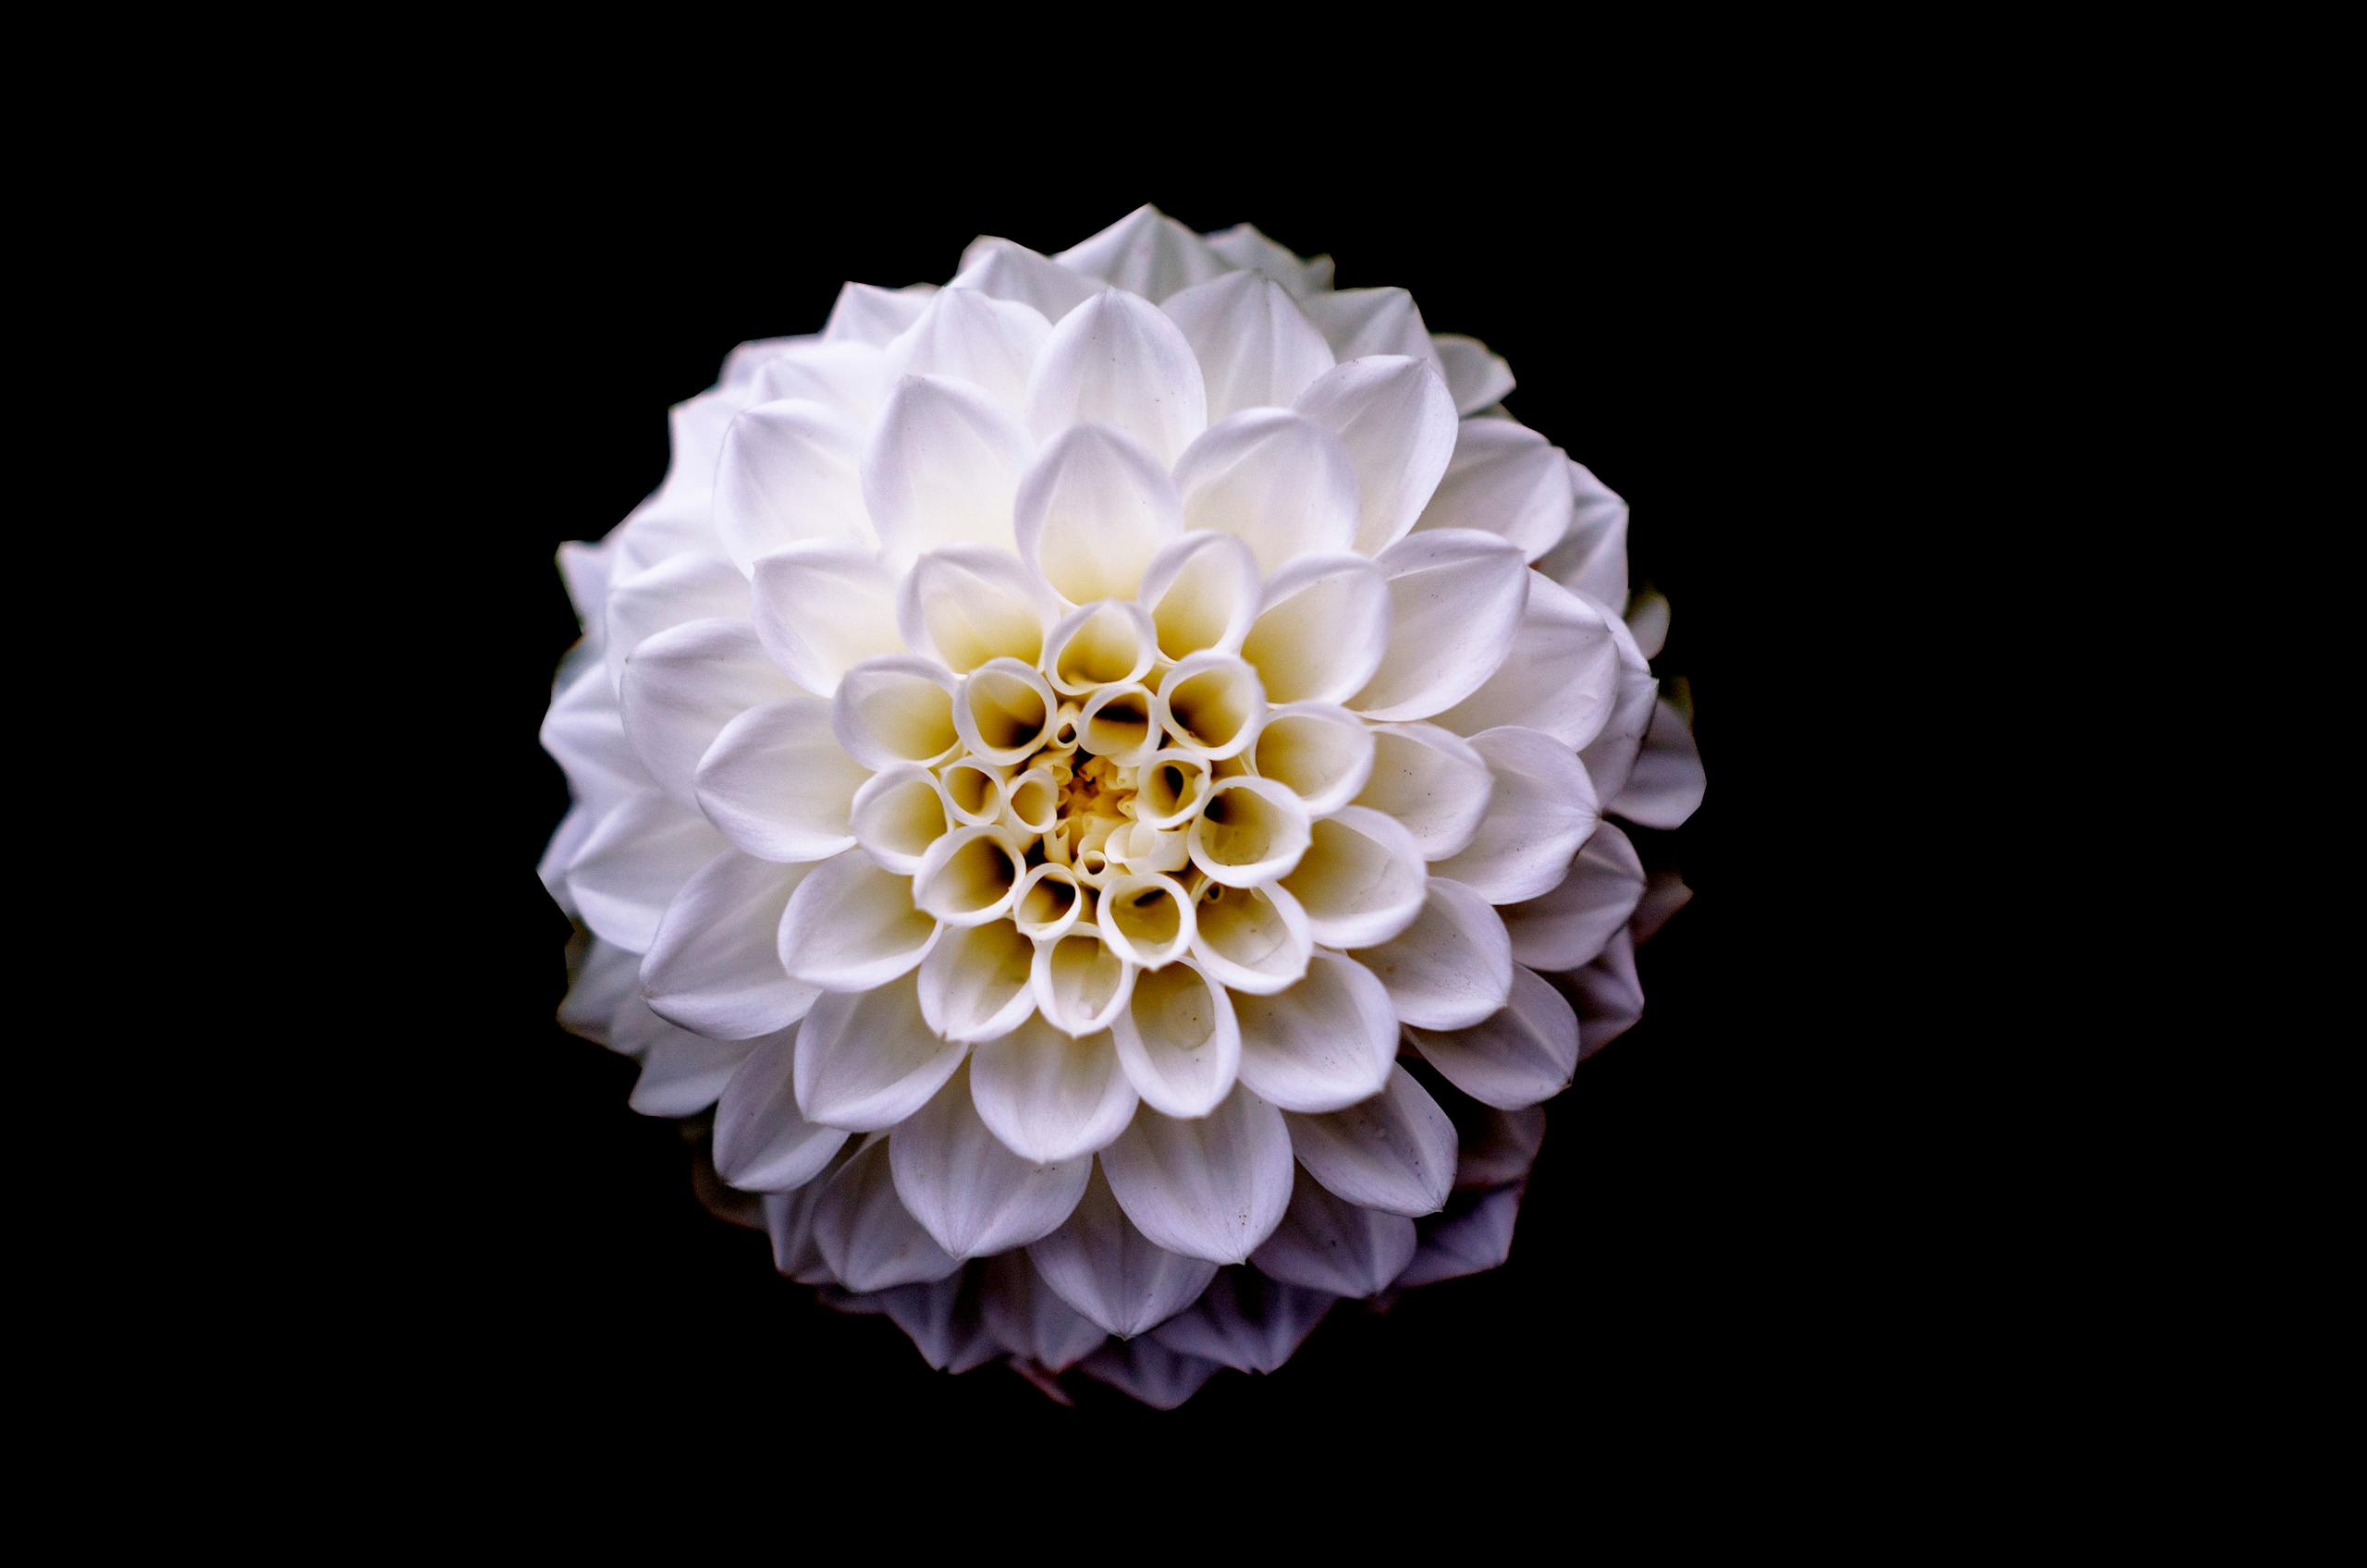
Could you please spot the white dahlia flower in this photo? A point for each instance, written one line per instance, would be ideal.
(1098, 774)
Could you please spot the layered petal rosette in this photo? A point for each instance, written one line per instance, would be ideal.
(1100, 775)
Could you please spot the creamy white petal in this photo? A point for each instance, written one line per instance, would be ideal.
(1201, 592)
(1398, 424)
(585, 734)
(1002, 269)
(1114, 1274)
(713, 965)
(1210, 705)
(1251, 941)
(1361, 880)
(1473, 1235)
(1080, 983)
(1177, 1040)
(1106, 644)
(1452, 966)
(1256, 347)
(682, 1073)
(864, 312)
(1324, 1243)
(823, 608)
(1611, 757)
(1323, 629)
(1562, 676)
(1049, 1097)
(1432, 782)
(1607, 994)
(1540, 808)
(778, 785)
(1251, 831)
(1213, 1187)
(1506, 480)
(1394, 1152)
(867, 1060)
(1359, 323)
(1116, 361)
(789, 1219)
(1327, 1043)
(942, 466)
(789, 475)
(867, 1237)
(1320, 753)
(850, 926)
(566, 842)
(945, 1320)
(1518, 1056)
(1277, 480)
(1092, 512)
(1668, 783)
(1456, 599)
(1146, 252)
(683, 685)
(1570, 924)
(848, 378)
(974, 1196)
(633, 863)
(1003, 711)
(970, 876)
(1592, 557)
(973, 985)
(967, 335)
(967, 604)
(1044, 1333)
(763, 1142)
(898, 709)
(1244, 246)
(695, 586)
(1473, 376)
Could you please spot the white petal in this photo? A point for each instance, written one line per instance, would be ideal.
(1256, 347)
(682, 1073)
(1115, 360)
(1147, 918)
(1431, 781)
(1254, 941)
(1211, 1188)
(789, 1218)
(945, 1320)
(714, 965)
(1049, 1097)
(1456, 599)
(1359, 323)
(1664, 894)
(1326, 1244)
(696, 587)
(1322, 631)
(1003, 712)
(1004, 270)
(585, 734)
(974, 1196)
(1398, 424)
(942, 466)
(1277, 480)
(1177, 1040)
(1395, 1152)
(1612, 755)
(898, 709)
(1328, 1042)
(1570, 924)
(1245, 247)
(973, 985)
(824, 608)
(1540, 808)
(1592, 557)
(763, 1142)
(867, 1061)
(864, 312)
(867, 1237)
(969, 335)
(1607, 994)
(1498, 1145)
(1092, 512)
(1201, 592)
(1506, 480)
(1361, 880)
(1520, 1057)
(1473, 1235)
(1317, 751)
(1562, 676)
(789, 475)
(1146, 1370)
(1146, 252)
(1079, 984)
(970, 876)
(967, 604)
(683, 685)
(848, 378)
(1105, 1268)
(1452, 966)
(565, 844)
(634, 862)
(1668, 783)
(778, 785)
(1106, 644)
(1211, 704)
(1044, 1334)
(1250, 832)
(1246, 1321)
(850, 926)
(1473, 376)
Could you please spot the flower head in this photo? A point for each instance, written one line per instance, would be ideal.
(1110, 757)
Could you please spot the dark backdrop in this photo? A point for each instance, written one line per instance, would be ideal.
(1675, 1269)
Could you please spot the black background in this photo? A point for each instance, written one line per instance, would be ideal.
(1683, 1269)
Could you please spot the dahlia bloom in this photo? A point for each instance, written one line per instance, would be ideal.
(1098, 774)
